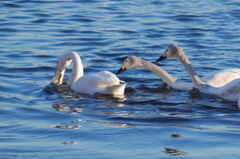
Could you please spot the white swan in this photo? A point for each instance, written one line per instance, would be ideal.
(211, 78)
(226, 84)
(136, 62)
(102, 82)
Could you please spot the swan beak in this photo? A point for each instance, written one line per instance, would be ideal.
(58, 77)
(163, 57)
(121, 70)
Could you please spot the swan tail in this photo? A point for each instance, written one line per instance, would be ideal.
(116, 89)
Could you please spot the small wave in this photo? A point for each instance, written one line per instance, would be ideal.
(8, 30)
(160, 120)
(42, 15)
(11, 5)
(39, 21)
(188, 17)
(27, 69)
(85, 20)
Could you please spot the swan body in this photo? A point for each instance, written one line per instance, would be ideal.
(221, 77)
(103, 82)
(224, 84)
(136, 62)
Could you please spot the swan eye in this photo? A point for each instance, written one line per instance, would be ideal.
(126, 61)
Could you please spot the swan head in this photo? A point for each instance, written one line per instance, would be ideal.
(61, 66)
(128, 63)
(171, 52)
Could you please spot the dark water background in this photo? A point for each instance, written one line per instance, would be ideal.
(38, 120)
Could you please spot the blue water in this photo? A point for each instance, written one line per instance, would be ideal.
(39, 120)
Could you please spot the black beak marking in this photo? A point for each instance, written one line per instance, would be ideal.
(121, 70)
(161, 58)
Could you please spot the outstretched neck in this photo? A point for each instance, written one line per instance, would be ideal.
(77, 70)
(167, 78)
(192, 73)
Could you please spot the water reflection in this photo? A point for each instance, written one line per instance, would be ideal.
(67, 127)
(176, 135)
(111, 123)
(174, 152)
(66, 108)
(69, 143)
(115, 100)
(66, 93)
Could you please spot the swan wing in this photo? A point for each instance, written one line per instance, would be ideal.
(107, 78)
(95, 83)
(221, 78)
(230, 91)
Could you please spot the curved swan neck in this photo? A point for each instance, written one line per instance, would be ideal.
(167, 78)
(77, 70)
(187, 64)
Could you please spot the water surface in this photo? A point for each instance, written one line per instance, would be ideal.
(150, 120)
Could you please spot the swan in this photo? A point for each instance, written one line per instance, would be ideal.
(225, 85)
(136, 62)
(103, 82)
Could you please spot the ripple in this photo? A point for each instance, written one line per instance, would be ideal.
(188, 18)
(28, 69)
(40, 21)
(85, 20)
(162, 120)
(92, 43)
(42, 15)
(8, 30)
(11, 5)
(69, 31)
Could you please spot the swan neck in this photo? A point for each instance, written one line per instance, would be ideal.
(192, 73)
(77, 70)
(167, 78)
